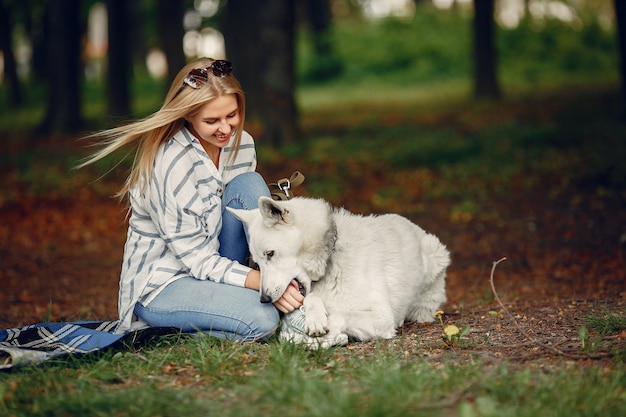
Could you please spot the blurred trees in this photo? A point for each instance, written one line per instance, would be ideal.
(276, 68)
(170, 23)
(620, 14)
(319, 15)
(259, 37)
(10, 66)
(119, 67)
(63, 26)
(485, 65)
(240, 26)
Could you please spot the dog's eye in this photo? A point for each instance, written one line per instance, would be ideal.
(268, 254)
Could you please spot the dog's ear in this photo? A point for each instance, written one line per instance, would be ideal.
(273, 212)
(246, 216)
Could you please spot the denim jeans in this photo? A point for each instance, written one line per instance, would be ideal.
(220, 310)
(242, 192)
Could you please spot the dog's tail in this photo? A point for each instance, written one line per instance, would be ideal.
(435, 255)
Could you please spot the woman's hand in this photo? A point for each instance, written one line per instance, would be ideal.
(290, 300)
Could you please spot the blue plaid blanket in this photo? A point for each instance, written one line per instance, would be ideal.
(34, 344)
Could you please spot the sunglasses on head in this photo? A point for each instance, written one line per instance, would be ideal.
(219, 68)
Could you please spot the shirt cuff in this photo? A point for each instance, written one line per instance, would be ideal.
(238, 275)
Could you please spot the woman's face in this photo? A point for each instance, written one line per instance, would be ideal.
(216, 121)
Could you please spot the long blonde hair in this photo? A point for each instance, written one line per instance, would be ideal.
(149, 133)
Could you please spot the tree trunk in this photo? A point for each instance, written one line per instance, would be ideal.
(137, 36)
(10, 66)
(119, 65)
(260, 42)
(64, 67)
(325, 65)
(278, 72)
(241, 29)
(485, 78)
(37, 27)
(170, 15)
(620, 17)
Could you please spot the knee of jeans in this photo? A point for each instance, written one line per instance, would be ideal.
(247, 180)
(267, 324)
(246, 188)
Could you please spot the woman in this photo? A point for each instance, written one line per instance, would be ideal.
(185, 256)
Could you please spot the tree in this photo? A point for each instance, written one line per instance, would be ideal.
(170, 21)
(119, 54)
(241, 27)
(620, 17)
(485, 78)
(260, 38)
(10, 66)
(278, 74)
(63, 49)
(325, 65)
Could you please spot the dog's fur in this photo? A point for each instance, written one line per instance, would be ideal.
(362, 276)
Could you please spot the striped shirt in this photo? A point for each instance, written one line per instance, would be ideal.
(174, 226)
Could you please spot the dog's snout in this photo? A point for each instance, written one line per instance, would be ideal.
(266, 298)
(300, 287)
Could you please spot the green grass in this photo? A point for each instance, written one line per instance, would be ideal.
(597, 327)
(202, 376)
(607, 323)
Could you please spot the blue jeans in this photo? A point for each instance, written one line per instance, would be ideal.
(220, 310)
(242, 192)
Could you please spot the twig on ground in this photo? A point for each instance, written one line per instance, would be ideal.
(522, 331)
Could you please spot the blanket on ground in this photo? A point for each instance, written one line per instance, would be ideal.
(34, 344)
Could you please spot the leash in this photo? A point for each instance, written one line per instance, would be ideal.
(280, 189)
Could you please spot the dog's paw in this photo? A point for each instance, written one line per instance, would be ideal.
(316, 324)
(329, 340)
(422, 314)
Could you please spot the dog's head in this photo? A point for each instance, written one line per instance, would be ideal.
(291, 242)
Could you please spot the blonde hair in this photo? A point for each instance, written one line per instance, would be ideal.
(149, 133)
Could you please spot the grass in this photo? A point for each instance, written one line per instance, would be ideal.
(201, 375)
(607, 323)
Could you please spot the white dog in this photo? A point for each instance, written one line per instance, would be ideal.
(362, 277)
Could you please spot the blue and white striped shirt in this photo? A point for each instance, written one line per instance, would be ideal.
(174, 226)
